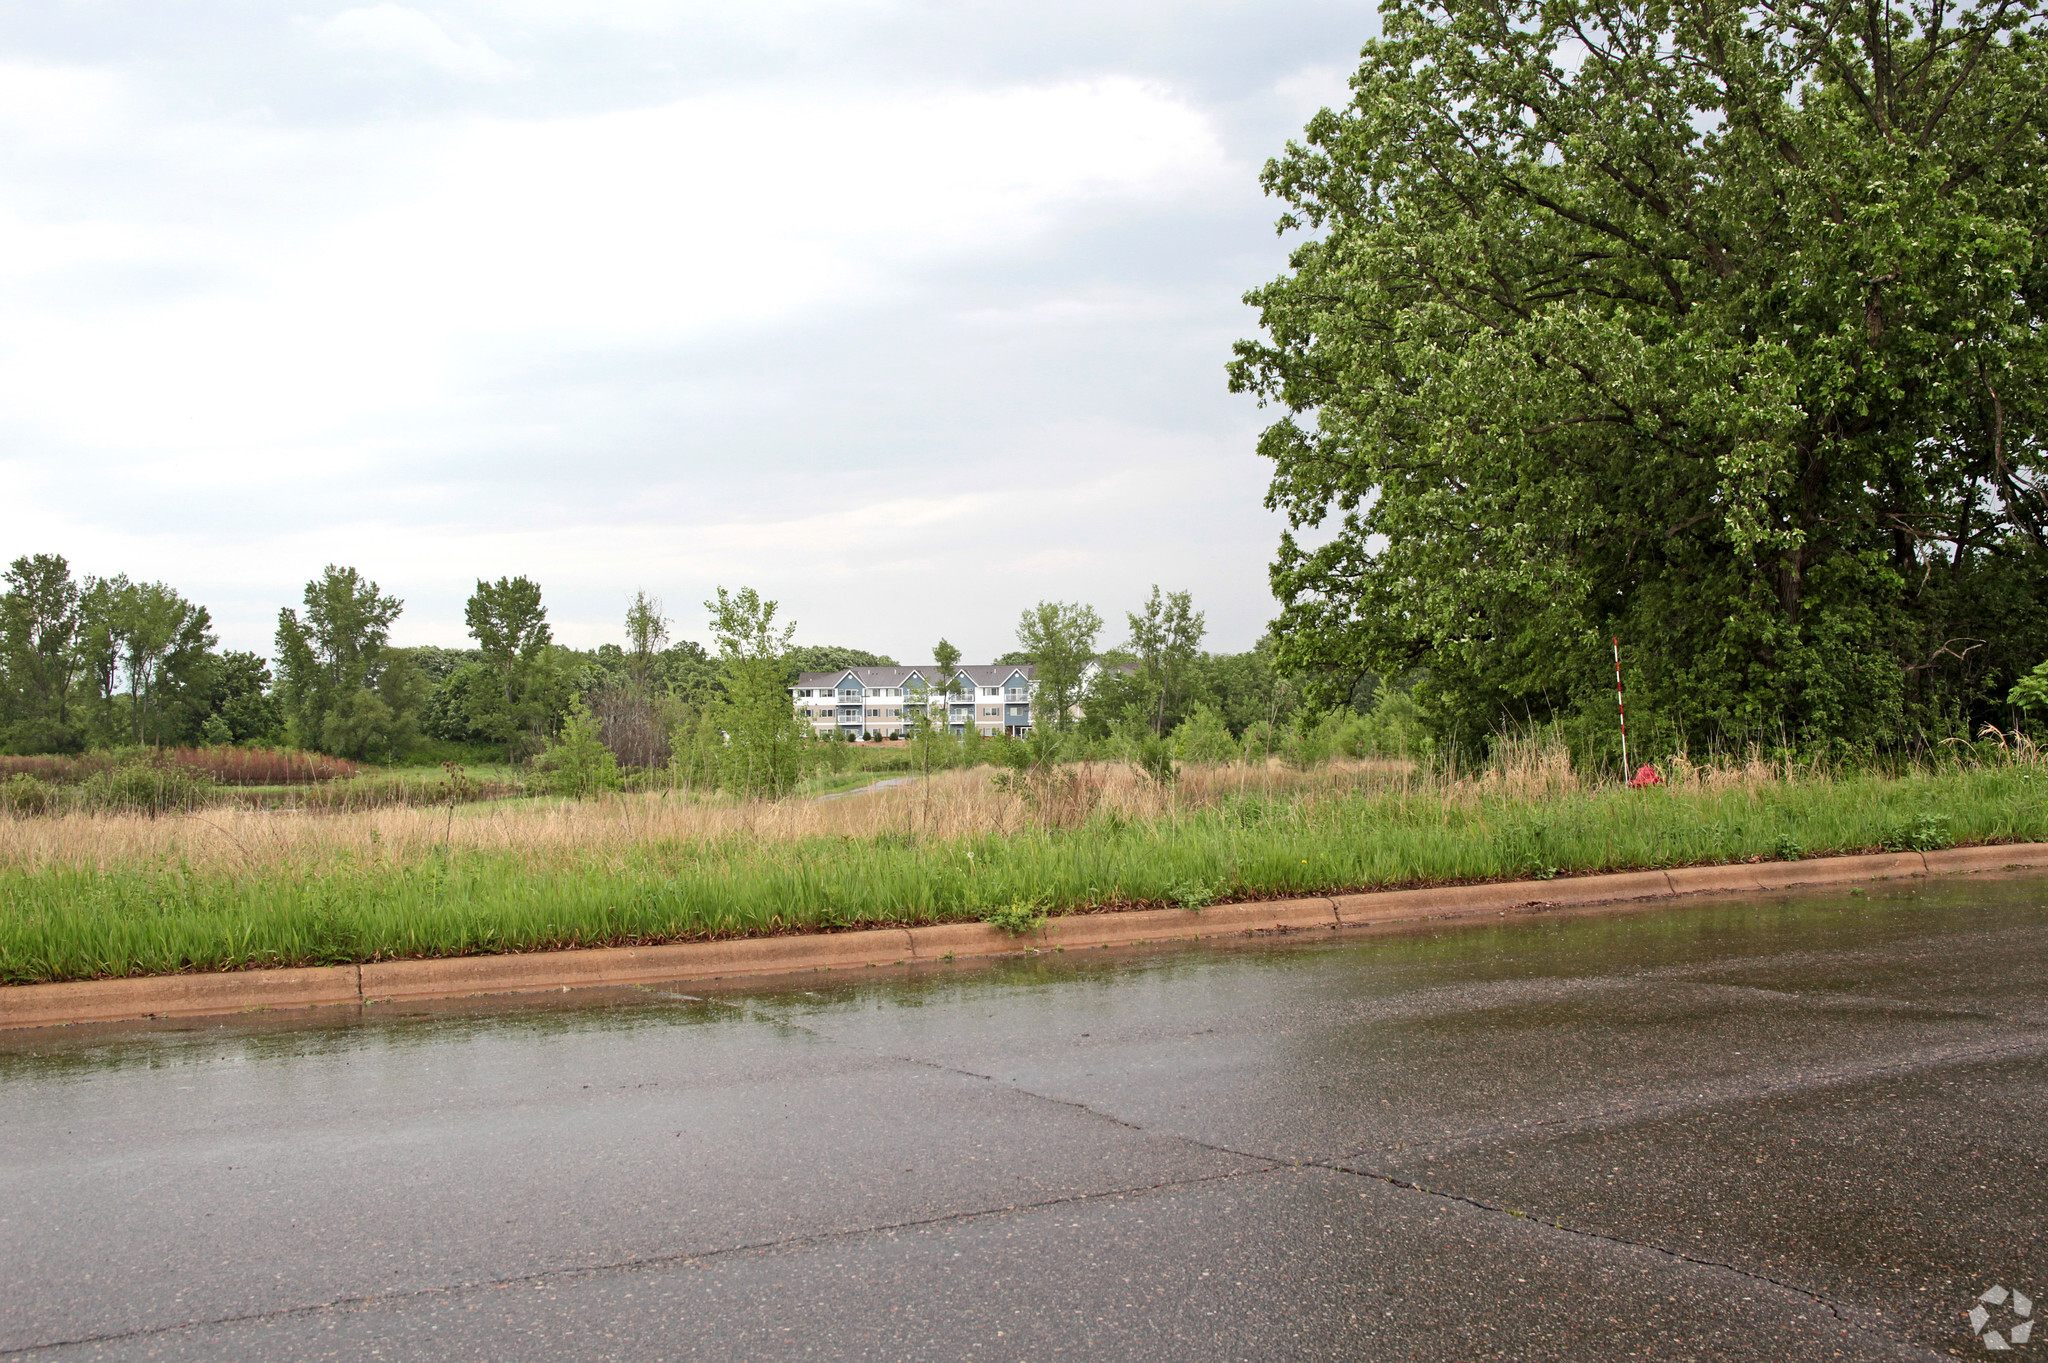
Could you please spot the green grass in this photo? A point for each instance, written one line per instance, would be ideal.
(70, 924)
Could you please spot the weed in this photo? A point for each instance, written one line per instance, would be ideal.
(1016, 918)
(1923, 832)
(1195, 894)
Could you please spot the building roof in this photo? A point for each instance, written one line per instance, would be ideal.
(990, 674)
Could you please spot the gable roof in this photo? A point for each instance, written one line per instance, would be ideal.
(988, 674)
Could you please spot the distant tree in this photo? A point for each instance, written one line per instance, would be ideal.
(831, 658)
(102, 608)
(1165, 637)
(646, 636)
(1016, 657)
(510, 626)
(1247, 688)
(164, 641)
(508, 621)
(341, 686)
(764, 739)
(946, 662)
(235, 693)
(438, 664)
(39, 626)
(686, 671)
(457, 698)
(1060, 637)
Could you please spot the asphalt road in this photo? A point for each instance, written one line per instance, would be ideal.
(1795, 1128)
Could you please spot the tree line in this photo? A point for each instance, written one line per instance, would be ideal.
(93, 663)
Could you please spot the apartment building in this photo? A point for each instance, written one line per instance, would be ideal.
(876, 702)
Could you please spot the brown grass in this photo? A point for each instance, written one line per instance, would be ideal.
(225, 766)
(561, 832)
(550, 833)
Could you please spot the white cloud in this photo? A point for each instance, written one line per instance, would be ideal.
(496, 241)
(389, 30)
(832, 296)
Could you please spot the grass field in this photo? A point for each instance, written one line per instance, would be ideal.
(94, 895)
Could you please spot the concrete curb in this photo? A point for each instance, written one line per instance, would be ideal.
(43, 1005)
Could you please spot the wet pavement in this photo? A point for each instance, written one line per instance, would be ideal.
(1785, 1128)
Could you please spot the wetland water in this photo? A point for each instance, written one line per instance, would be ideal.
(1794, 1127)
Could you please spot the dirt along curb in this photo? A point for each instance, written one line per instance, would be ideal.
(158, 996)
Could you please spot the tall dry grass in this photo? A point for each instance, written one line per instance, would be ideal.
(951, 805)
(558, 833)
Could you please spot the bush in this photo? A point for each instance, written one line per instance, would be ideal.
(1314, 740)
(150, 787)
(1205, 737)
(1394, 727)
(1154, 756)
(578, 763)
(25, 796)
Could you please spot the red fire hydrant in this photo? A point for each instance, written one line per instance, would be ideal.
(1646, 776)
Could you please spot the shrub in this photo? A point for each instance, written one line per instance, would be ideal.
(578, 763)
(261, 766)
(24, 795)
(1394, 727)
(1155, 758)
(1204, 737)
(1314, 740)
(148, 787)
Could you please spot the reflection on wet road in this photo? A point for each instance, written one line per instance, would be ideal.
(1800, 1127)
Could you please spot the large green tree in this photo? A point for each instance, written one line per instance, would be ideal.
(342, 687)
(1165, 638)
(166, 645)
(765, 743)
(39, 662)
(1716, 327)
(510, 626)
(1059, 638)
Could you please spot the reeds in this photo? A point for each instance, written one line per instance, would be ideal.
(223, 766)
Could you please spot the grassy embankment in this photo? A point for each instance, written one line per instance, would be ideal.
(91, 895)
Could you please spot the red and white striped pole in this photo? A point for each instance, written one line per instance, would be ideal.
(1619, 708)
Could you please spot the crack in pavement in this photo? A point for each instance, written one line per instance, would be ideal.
(1853, 1317)
(571, 1273)
(1858, 1319)
(1838, 1310)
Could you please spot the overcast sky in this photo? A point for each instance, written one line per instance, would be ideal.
(908, 314)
